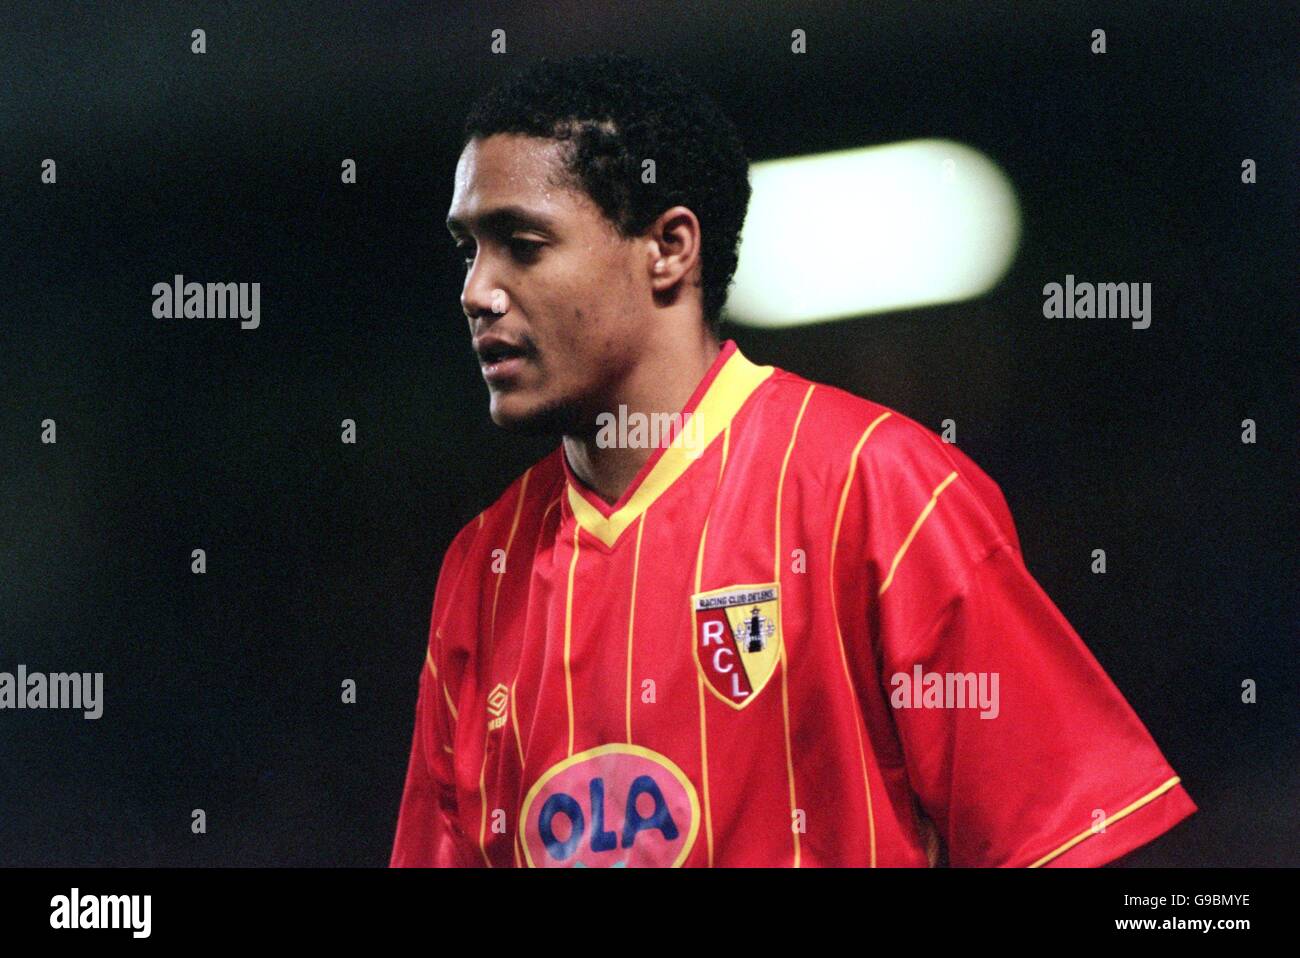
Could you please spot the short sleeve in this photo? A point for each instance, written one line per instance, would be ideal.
(1032, 756)
(426, 818)
(427, 831)
(1017, 745)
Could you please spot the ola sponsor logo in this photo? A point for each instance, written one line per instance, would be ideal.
(610, 807)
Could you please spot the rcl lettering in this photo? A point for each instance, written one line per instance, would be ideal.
(711, 633)
(561, 803)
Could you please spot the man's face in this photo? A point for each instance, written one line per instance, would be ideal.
(556, 299)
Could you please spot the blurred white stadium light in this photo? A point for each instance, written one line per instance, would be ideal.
(867, 230)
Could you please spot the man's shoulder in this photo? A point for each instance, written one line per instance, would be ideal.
(835, 426)
(841, 435)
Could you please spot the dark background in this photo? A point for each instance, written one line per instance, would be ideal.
(222, 691)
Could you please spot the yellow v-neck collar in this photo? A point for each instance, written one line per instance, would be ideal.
(730, 381)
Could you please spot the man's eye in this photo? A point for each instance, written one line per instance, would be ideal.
(522, 249)
(525, 249)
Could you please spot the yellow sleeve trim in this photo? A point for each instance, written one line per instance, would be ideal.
(1087, 833)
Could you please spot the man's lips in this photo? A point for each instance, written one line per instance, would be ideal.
(502, 370)
(500, 358)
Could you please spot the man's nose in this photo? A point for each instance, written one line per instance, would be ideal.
(481, 295)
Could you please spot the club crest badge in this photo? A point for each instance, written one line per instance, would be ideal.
(737, 636)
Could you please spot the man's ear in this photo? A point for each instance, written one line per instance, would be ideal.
(676, 246)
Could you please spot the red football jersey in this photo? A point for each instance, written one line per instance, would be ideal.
(805, 636)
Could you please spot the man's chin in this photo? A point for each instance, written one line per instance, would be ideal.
(513, 414)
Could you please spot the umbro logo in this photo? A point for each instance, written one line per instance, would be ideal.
(497, 701)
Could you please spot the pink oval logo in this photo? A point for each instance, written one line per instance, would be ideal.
(614, 806)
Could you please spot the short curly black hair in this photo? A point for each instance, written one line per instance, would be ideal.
(618, 111)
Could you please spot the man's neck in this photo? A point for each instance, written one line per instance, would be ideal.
(661, 384)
